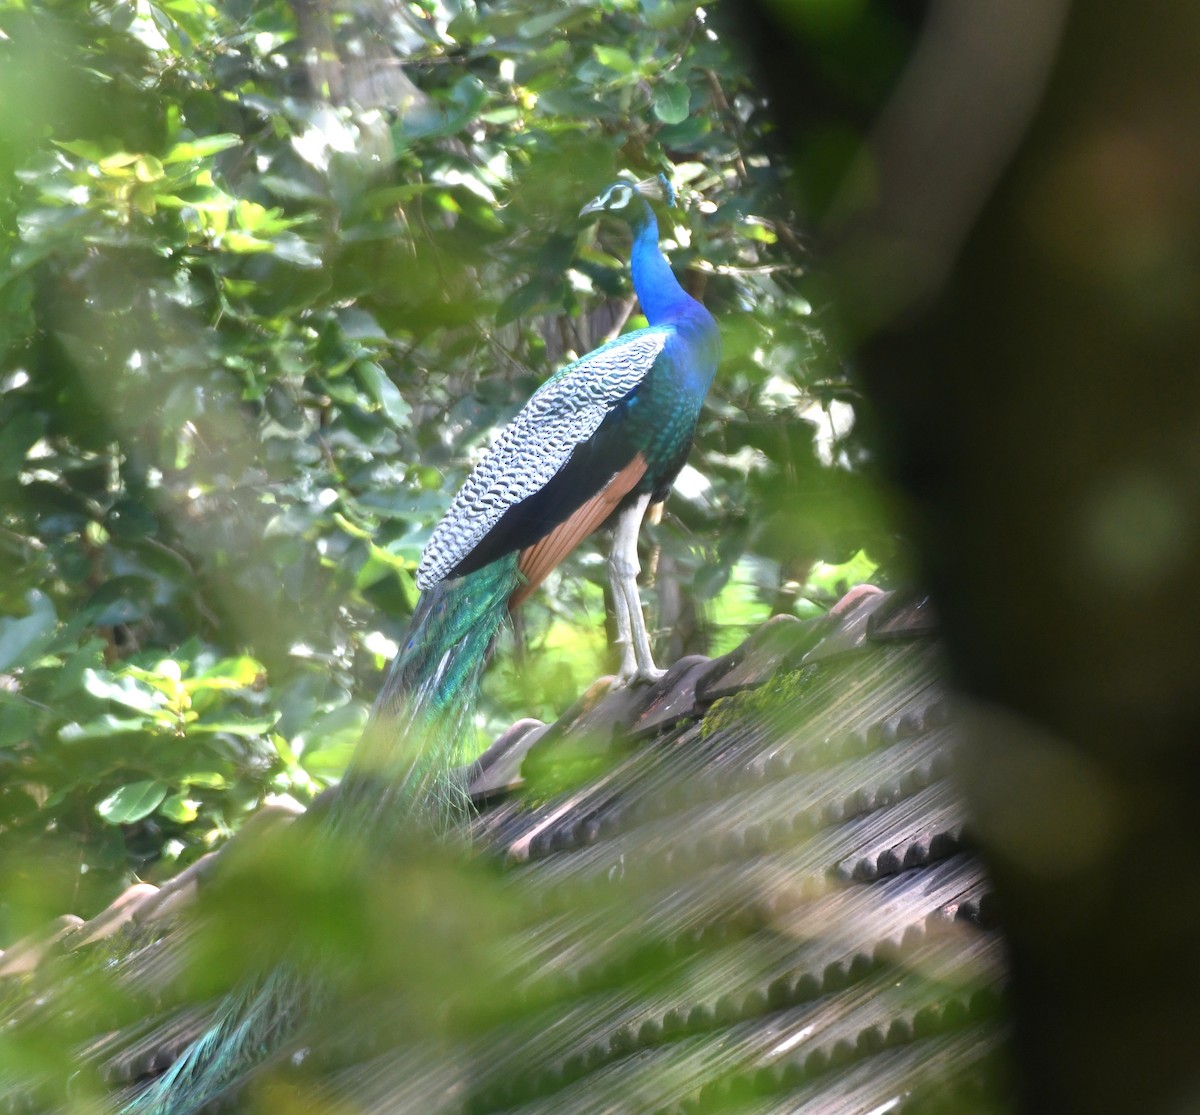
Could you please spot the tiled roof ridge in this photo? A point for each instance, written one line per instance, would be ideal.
(921, 731)
(604, 719)
(781, 644)
(142, 903)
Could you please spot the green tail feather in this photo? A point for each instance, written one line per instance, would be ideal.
(408, 765)
(405, 774)
(249, 1026)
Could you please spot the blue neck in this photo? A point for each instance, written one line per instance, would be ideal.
(659, 292)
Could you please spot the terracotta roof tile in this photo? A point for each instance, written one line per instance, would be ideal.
(118, 913)
(498, 769)
(850, 632)
(903, 616)
(757, 659)
(673, 699)
(177, 892)
(23, 956)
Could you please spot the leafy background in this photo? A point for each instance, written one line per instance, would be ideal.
(272, 276)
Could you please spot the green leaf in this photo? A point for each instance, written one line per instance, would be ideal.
(207, 779)
(23, 638)
(251, 216)
(148, 169)
(538, 25)
(331, 740)
(206, 199)
(359, 325)
(469, 94)
(242, 242)
(379, 564)
(120, 600)
(180, 808)
(383, 391)
(105, 726)
(118, 164)
(132, 802)
(671, 100)
(664, 14)
(229, 673)
(85, 149)
(232, 724)
(126, 691)
(614, 58)
(564, 102)
(129, 518)
(296, 250)
(834, 580)
(521, 301)
(194, 149)
(709, 581)
(70, 678)
(16, 721)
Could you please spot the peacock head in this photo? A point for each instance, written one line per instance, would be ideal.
(618, 197)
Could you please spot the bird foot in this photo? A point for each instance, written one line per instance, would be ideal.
(637, 675)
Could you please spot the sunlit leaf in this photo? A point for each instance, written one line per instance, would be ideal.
(148, 169)
(118, 163)
(200, 148)
(228, 673)
(180, 808)
(243, 242)
(381, 563)
(205, 779)
(127, 691)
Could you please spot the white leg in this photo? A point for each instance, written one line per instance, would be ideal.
(637, 661)
(624, 625)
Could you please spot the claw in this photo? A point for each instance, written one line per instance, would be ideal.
(644, 675)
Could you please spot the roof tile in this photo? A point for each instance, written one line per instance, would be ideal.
(757, 659)
(23, 956)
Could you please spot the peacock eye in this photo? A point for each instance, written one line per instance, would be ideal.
(618, 197)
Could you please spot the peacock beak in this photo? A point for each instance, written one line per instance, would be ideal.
(593, 206)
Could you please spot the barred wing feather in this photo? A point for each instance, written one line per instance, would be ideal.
(565, 411)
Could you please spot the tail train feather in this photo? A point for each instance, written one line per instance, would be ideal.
(248, 1027)
(408, 765)
(406, 769)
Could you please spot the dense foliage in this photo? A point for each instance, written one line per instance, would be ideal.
(271, 275)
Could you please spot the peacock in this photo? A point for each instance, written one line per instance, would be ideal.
(603, 438)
